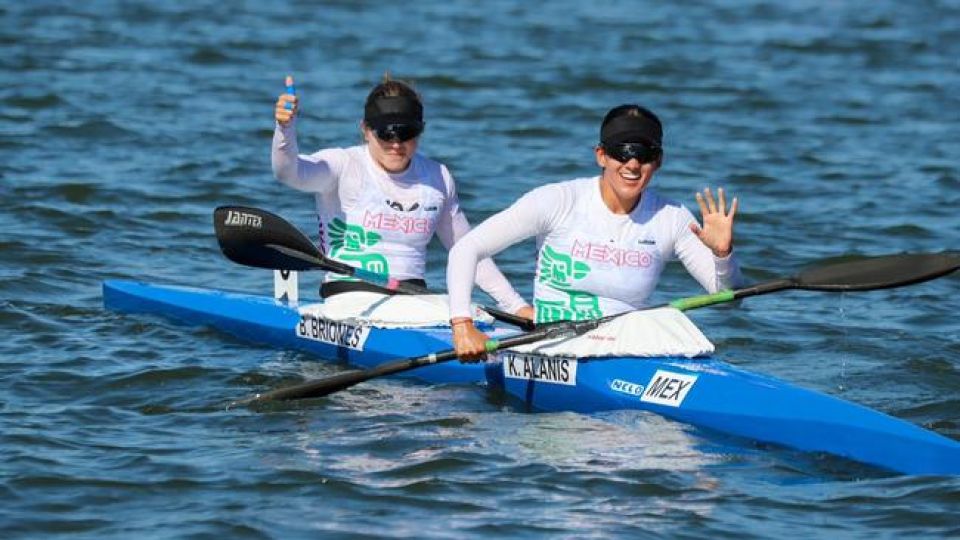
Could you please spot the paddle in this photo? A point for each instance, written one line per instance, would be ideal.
(858, 275)
(255, 237)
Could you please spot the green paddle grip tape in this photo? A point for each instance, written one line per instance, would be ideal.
(692, 302)
(492, 345)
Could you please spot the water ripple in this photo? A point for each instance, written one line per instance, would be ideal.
(123, 125)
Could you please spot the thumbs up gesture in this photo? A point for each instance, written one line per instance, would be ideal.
(286, 106)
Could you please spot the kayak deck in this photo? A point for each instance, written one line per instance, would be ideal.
(261, 319)
(704, 392)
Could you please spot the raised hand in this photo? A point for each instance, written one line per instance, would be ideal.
(717, 230)
(286, 106)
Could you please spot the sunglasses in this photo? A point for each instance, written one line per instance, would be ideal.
(624, 152)
(399, 132)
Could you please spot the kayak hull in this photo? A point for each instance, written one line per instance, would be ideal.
(263, 320)
(704, 392)
(736, 402)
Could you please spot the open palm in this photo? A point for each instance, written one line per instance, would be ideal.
(717, 230)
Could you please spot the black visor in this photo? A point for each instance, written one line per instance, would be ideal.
(631, 129)
(395, 110)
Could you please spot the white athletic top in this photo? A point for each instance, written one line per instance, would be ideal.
(378, 221)
(591, 262)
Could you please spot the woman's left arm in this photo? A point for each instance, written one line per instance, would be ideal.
(707, 251)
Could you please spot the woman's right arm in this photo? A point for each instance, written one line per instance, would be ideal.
(529, 216)
(314, 173)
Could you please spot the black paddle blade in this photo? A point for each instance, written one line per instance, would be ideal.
(255, 237)
(881, 272)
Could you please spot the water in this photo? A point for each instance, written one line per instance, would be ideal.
(122, 125)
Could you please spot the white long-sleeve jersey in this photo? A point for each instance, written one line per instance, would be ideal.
(591, 262)
(378, 221)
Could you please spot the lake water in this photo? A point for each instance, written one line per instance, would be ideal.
(123, 124)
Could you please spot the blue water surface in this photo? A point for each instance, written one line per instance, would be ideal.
(123, 124)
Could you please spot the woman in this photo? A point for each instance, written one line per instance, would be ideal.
(380, 203)
(602, 241)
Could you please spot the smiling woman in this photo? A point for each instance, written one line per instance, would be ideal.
(602, 241)
(380, 203)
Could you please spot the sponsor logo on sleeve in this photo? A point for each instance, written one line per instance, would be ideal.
(338, 333)
(626, 387)
(533, 367)
(243, 219)
(668, 388)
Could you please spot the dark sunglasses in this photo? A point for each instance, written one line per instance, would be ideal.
(399, 132)
(624, 152)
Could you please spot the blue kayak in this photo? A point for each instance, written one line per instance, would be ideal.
(704, 391)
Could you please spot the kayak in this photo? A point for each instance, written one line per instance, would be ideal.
(705, 391)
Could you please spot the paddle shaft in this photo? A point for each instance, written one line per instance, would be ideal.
(262, 239)
(389, 284)
(330, 385)
(868, 274)
(703, 300)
